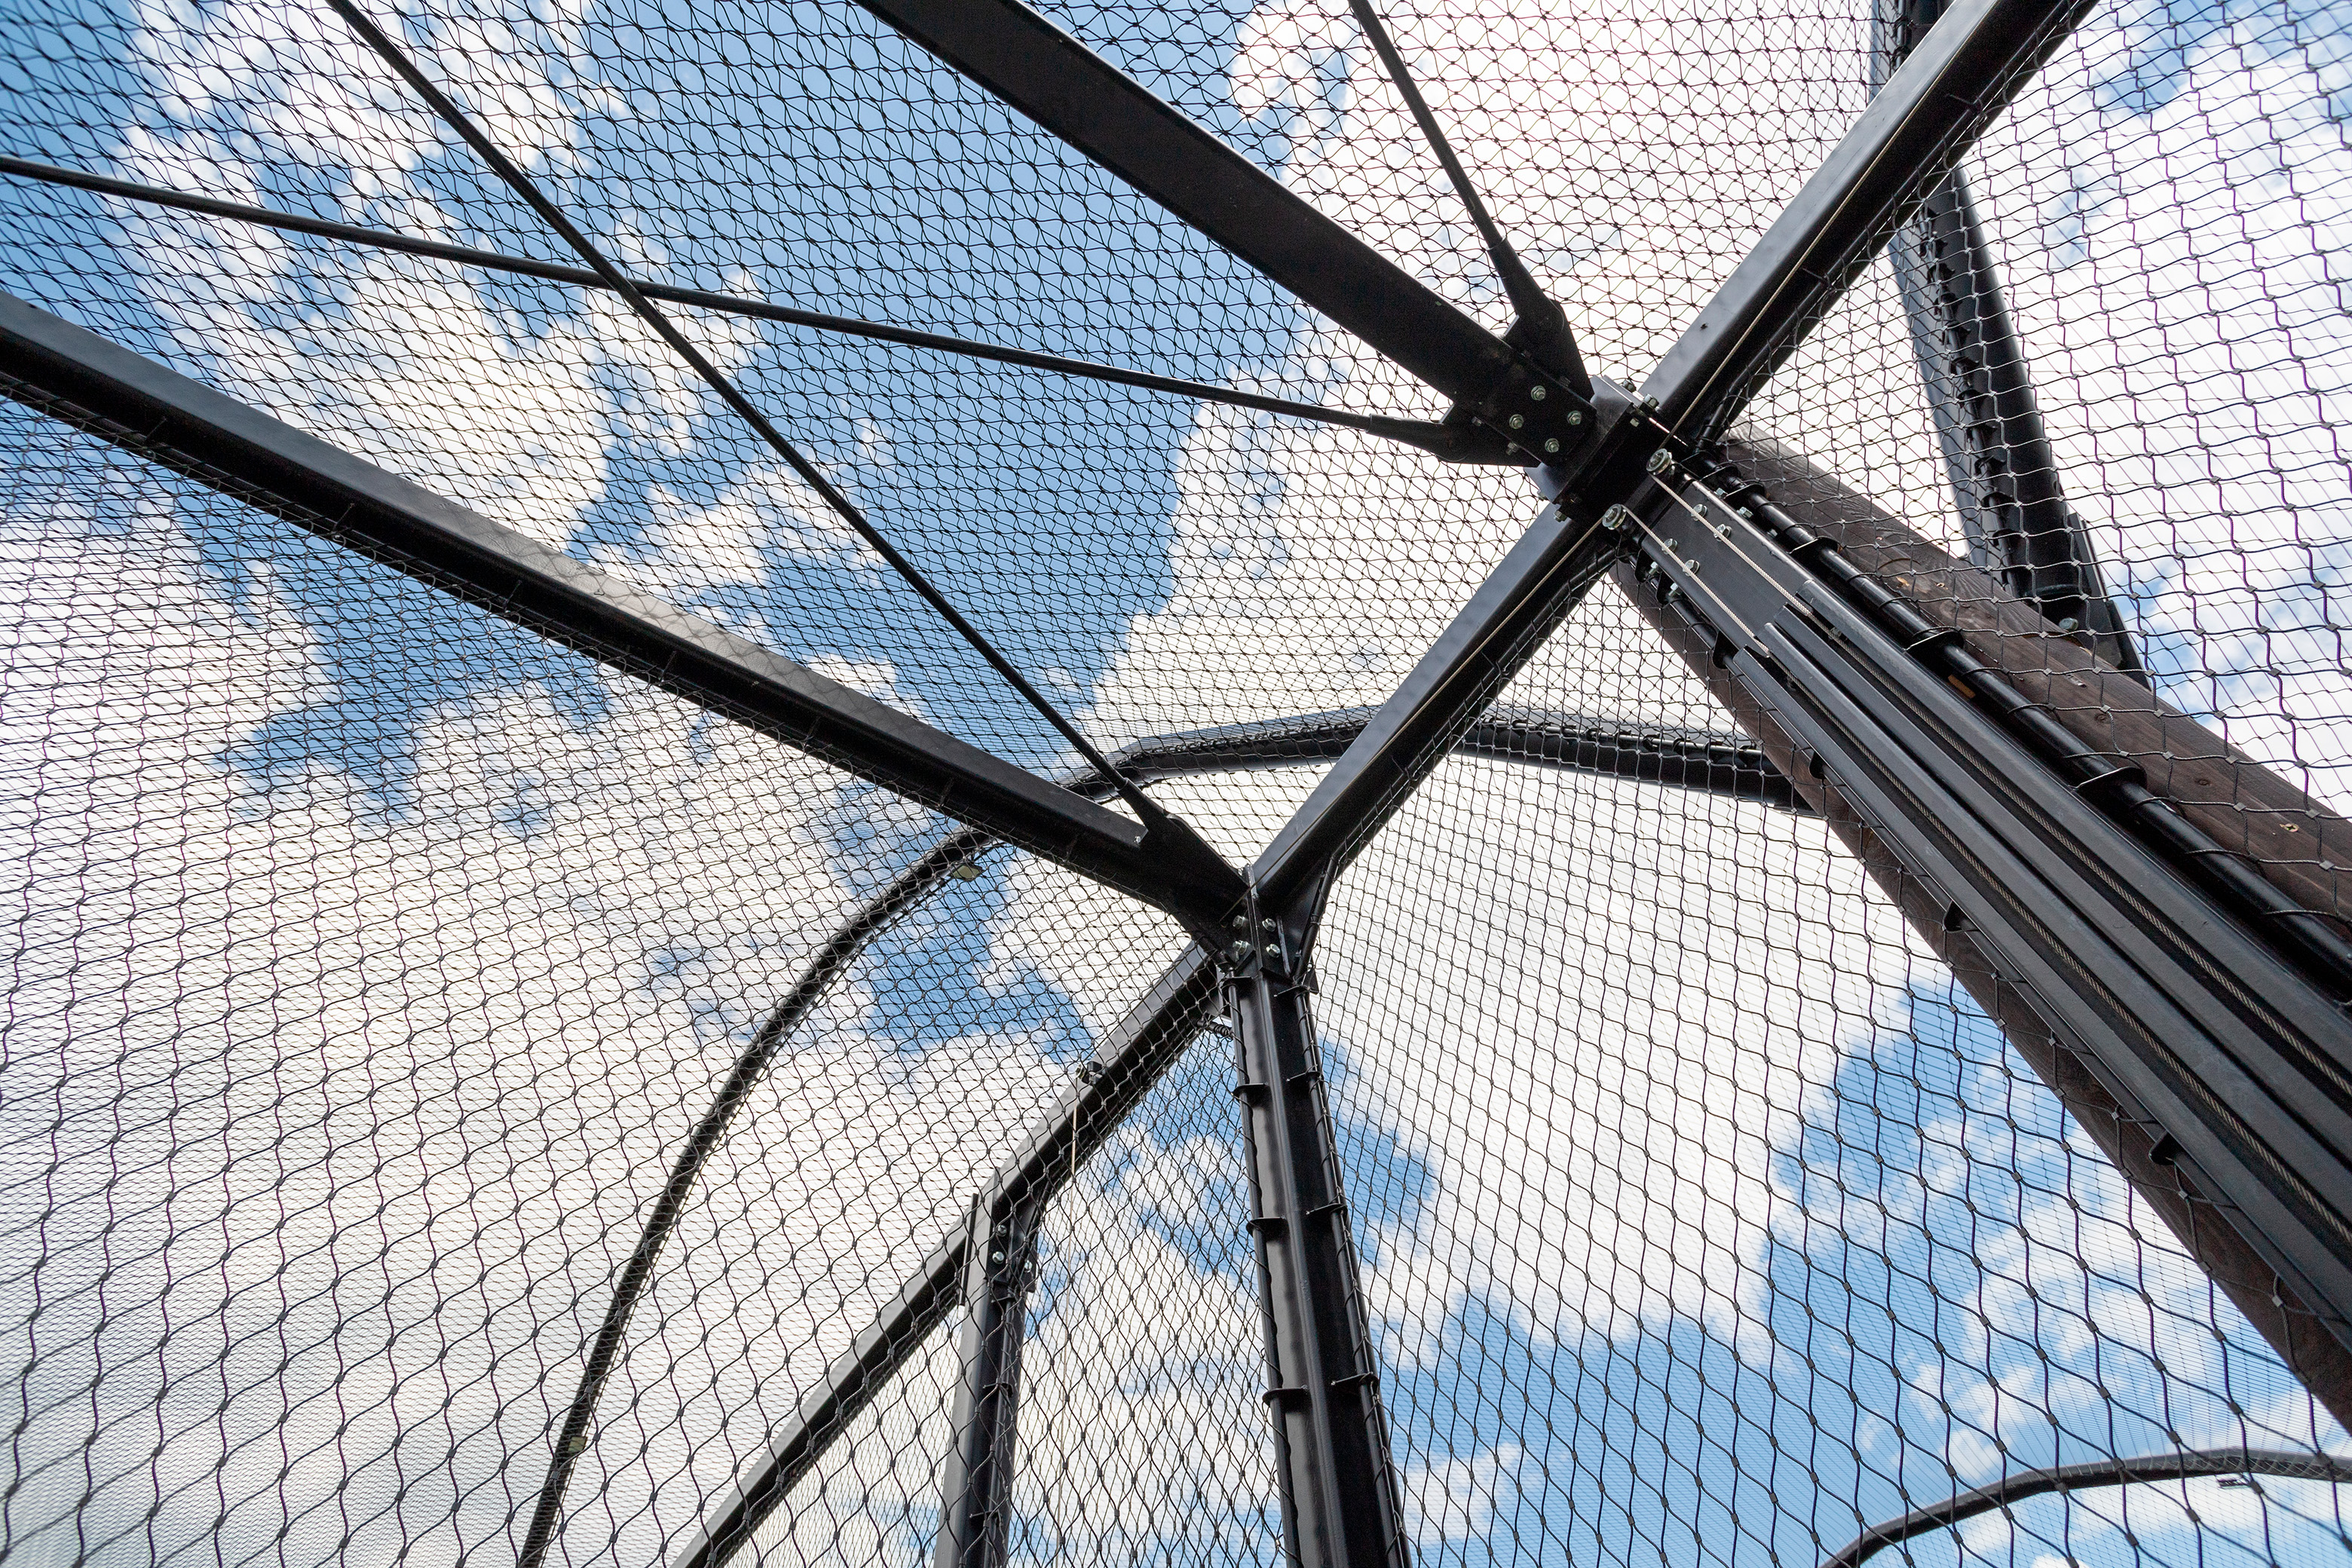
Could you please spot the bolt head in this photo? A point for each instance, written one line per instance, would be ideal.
(1238, 951)
(1516, 421)
(1575, 417)
(1537, 394)
(1274, 949)
(1551, 444)
(1617, 516)
(1660, 460)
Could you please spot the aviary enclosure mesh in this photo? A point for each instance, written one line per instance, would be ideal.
(370, 958)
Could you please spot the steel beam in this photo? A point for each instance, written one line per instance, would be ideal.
(184, 424)
(1340, 1504)
(2206, 1012)
(2002, 470)
(1964, 73)
(976, 1481)
(1070, 90)
(1711, 762)
(2213, 787)
(1519, 604)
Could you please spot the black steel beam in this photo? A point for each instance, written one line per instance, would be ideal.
(1070, 90)
(1997, 455)
(1341, 1503)
(1129, 1062)
(1454, 443)
(2208, 1008)
(976, 1481)
(2145, 1469)
(1965, 71)
(188, 427)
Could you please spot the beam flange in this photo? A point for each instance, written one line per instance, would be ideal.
(201, 432)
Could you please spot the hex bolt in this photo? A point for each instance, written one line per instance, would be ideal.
(1551, 443)
(1516, 420)
(1575, 417)
(1273, 950)
(1238, 951)
(1537, 394)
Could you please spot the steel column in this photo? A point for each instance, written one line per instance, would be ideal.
(976, 1481)
(2003, 471)
(1341, 1501)
(2207, 1003)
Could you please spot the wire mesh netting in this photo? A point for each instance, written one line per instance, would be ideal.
(387, 978)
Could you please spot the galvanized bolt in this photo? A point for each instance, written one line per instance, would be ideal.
(1516, 420)
(1273, 950)
(1267, 923)
(1575, 417)
(1551, 443)
(1618, 518)
(1660, 460)
(1238, 951)
(1536, 394)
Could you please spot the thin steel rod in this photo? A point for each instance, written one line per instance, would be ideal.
(620, 283)
(878, 913)
(2009, 1490)
(1547, 325)
(1453, 443)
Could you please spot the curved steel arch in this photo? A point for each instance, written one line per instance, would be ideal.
(2092, 1474)
(1706, 761)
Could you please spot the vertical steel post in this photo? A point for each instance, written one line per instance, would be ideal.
(976, 1482)
(2003, 471)
(1339, 1496)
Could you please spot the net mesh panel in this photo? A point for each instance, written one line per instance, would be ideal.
(375, 959)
